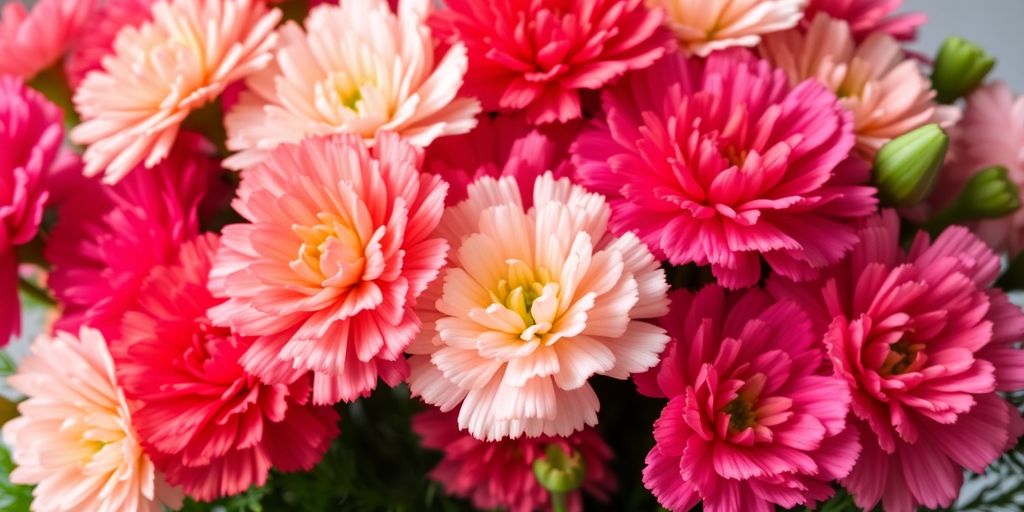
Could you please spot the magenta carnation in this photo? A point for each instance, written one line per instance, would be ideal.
(751, 420)
(924, 344)
(720, 161)
(108, 238)
(870, 16)
(208, 425)
(539, 56)
(327, 273)
(31, 133)
(502, 145)
(499, 474)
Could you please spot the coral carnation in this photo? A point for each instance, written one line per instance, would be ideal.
(886, 92)
(924, 344)
(502, 145)
(719, 162)
(532, 306)
(208, 425)
(539, 56)
(499, 474)
(163, 70)
(751, 422)
(31, 133)
(357, 68)
(990, 133)
(33, 41)
(869, 16)
(74, 439)
(108, 239)
(703, 26)
(337, 251)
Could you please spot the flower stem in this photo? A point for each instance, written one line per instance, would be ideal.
(35, 292)
(559, 503)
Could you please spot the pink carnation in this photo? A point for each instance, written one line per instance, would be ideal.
(354, 68)
(104, 23)
(108, 239)
(31, 133)
(869, 16)
(534, 303)
(704, 26)
(924, 344)
(540, 56)
(209, 426)
(31, 41)
(502, 145)
(886, 92)
(720, 162)
(990, 133)
(338, 249)
(752, 421)
(499, 474)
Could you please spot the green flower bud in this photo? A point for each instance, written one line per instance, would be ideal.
(907, 167)
(989, 194)
(960, 68)
(559, 472)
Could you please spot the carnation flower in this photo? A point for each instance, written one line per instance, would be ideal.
(31, 41)
(991, 133)
(107, 239)
(74, 439)
(540, 56)
(751, 421)
(720, 162)
(338, 249)
(499, 474)
(104, 23)
(924, 344)
(163, 70)
(886, 92)
(703, 26)
(502, 145)
(31, 133)
(209, 426)
(356, 68)
(869, 16)
(533, 304)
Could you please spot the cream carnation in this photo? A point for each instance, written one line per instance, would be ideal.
(356, 68)
(535, 303)
(162, 71)
(74, 438)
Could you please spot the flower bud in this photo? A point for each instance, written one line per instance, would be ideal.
(988, 195)
(907, 167)
(559, 472)
(959, 68)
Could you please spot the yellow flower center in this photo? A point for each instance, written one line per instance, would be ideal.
(902, 355)
(331, 249)
(520, 288)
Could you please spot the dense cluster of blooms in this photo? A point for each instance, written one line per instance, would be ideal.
(788, 233)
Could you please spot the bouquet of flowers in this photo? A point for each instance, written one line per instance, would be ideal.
(742, 255)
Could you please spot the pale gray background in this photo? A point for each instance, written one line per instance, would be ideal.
(997, 25)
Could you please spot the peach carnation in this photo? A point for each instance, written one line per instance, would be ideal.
(535, 303)
(325, 276)
(703, 26)
(886, 92)
(74, 438)
(356, 68)
(162, 71)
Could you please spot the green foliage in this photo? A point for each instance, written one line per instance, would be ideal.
(13, 497)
